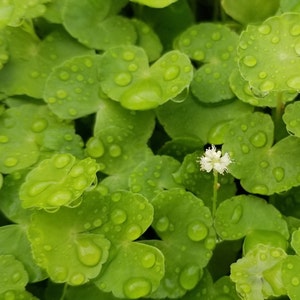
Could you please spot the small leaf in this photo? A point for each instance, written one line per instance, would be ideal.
(234, 217)
(155, 3)
(212, 45)
(125, 76)
(187, 240)
(256, 273)
(265, 48)
(290, 276)
(72, 90)
(291, 118)
(13, 274)
(57, 181)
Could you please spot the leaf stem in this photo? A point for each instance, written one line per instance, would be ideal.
(216, 186)
(64, 290)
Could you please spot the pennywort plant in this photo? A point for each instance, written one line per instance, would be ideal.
(149, 149)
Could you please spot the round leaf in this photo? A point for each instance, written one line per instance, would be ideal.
(291, 118)
(290, 276)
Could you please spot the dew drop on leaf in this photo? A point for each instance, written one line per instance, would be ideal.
(216, 36)
(11, 161)
(60, 198)
(38, 188)
(278, 173)
(3, 139)
(39, 125)
(197, 231)
(148, 260)
(245, 148)
(95, 147)
(59, 273)
(264, 164)
(295, 30)
(237, 214)
(61, 94)
(162, 224)
(265, 29)
(260, 189)
(267, 86)
(77, 279)
(62, 160)
(189, 277)
(171, 73)
(118, 216)
(123, 79)
(137, 287)
(133, 232)
(89, 254)
(258, 139)
(249, 61)
(295, 281)
(294, 82)
(128, 55)
(115, 150)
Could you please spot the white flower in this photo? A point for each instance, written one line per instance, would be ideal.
(213, 160)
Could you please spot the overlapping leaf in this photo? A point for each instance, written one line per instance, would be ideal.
(125, 76)
(262, 167)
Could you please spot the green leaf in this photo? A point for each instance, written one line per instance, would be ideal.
(138, 268)
(246, 12)
(13, 274)
(291, 119)
(263, 168)
(193, 120)
(212, 45)
(234, 217)
(154, 175)
(95, 24)
(184, 225)
(57, 181)
(120, 137)
(290, 276)
(265, 48)
(155, 3)
(243, 91)
(28, 130)
(295, 242)
(125, 76)
(17, 295)
(32, 60)
(256, 273)
(14, 241)
(13, 12)
(71, 89)
(200, 183)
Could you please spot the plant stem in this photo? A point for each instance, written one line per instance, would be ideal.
(64, 290)
(215, 193)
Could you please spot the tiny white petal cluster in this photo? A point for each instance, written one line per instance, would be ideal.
(213, 160)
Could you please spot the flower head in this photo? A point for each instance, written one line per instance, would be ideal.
(213, 160)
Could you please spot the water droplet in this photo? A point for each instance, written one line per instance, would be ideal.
(174, 57)
(60, 198)
(294, 83)
(133, 232)
(47, 247)
(123, 79)
(295, 30)
(61, 94)
(189, 277)
(295, 281)
(260, 189)
(249, 61)
(259, 139)
(128, 55)
(34, 74)
(262, 75)
(136, 188)
(186, 42)
(97, 222)
(80, 184)
(132, 67)
(51, 100)
(162, 224)
(237, 214)
(197, 231)
(225, 56)
(245, 148)
(16, 277)
(216, 36)
(72, 112)
(59, 273)
(77, 171)
(198, 55)
(11, 161)
(3, 139)
(264, 29)
(87, 225)
(278, 173)
(263, 164)
(137, 287)
(39, 125)
(80, 77)
(148, 260)
(118, 216)
(89, 254)
(64, 75)
(275, 39)
(62, 160)
(267, 86)
(115, 150)
(171, 73)
(210, 243)
(37, 188)
(95, 147)
(88, 62)
(77, 279)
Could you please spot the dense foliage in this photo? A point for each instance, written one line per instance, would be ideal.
(112, 115)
